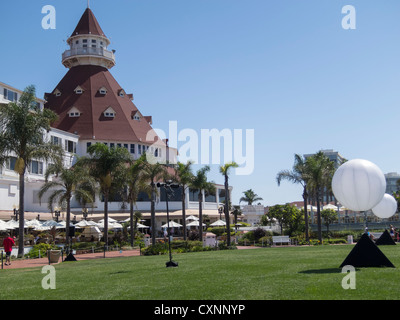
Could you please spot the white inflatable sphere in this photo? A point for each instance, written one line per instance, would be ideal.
(386, 208)
(359, 185)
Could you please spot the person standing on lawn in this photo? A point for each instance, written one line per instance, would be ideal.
(8, 243)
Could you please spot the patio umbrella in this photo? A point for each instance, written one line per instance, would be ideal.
(85, 223)
(218, 223)
(33, 224)
(192, 218)
(194, 224)
(172, 224)
(11, 224)
(110, 220)
(139, 226)
(111, 225)
(330, 206)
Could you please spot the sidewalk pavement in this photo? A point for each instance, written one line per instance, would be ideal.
(32, 263)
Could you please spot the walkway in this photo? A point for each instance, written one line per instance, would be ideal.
(31, 263)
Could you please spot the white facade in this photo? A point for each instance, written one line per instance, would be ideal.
(9, 179)
(252, 214)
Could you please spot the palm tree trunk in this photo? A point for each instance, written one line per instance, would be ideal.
(68, 221)
(305, 196)
(200, 216)
(131, 221)
(21, 214)
(226, 207)
(184, 212)
(106, 219)
(319, 217)
(153, 213)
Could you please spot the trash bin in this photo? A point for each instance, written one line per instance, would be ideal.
(147, 241)
(54, 256)
(350, 239)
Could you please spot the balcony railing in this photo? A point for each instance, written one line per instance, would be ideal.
(101, 52)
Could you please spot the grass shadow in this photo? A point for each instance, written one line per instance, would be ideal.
(322, 271)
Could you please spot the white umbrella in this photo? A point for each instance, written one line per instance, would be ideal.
(110, 220)
(139, 225)
(194, 224)
(33, 223)
(218, 223)
(330, 206)
(11, 224)
(172, 224)
(85, 223)
(63, 225)
(192, 218)
(51, 224)
(113, 225)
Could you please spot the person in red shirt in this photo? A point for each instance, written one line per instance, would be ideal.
(8, 243)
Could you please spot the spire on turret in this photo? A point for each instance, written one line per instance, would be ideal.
(88, 44)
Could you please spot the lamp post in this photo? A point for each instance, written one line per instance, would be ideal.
(57, 213)
(221, 211)
(85, 213)
(168, 185)
(16, 213)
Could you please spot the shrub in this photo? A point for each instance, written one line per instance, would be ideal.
(43, 247)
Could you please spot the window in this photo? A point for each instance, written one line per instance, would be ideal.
(112, 145)
(193, 194)
(10, 95)
(36, 167)
(94, 43)
(103, 91)
(132, 148)
(119, 145)
(56, 141)
(78, 90)
(139, 149)
(70, 146)
(74, 114)
(109, 114)
(84, 41)
(10, 164)
(126, 146)
(57, 93)
(88, 144)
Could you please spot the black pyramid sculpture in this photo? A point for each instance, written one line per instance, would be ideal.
(366, 254)
(385, 239)
(70, 257)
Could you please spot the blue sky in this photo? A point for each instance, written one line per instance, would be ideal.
(285, 68)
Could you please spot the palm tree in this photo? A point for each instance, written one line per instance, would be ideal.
(135, 183)
(224, 170)
(184, 175)
(298, 175)
(153, 172)
(106, 166)
(320, 171)
(67, 183)
(22, 136)
(200, 183)
(250, 197)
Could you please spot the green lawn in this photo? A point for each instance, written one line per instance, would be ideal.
(267, 273)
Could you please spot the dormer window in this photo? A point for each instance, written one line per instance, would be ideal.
(109, 113)
(74, 113)
(78, 90)
(103, 91)
(121, 93)
(136, 115)
(57, 93)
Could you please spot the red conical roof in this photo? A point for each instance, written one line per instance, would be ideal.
(91, 104)
(88, 25)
